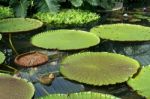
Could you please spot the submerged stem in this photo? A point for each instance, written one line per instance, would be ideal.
(10, 67)
(13, 48)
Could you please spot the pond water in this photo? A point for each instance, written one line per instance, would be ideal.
(139, 51)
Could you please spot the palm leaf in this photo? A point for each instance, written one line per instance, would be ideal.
(81, 95)
(23, 89)
(141, 82)
(2, 57)
(65, 39)
(123, 32)
(18, 25)
(99, 68)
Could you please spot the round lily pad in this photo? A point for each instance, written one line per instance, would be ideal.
(141, 82)
(65, 39)
(123, 32)
(30, 59)
(15, 88)
(2, 57)
(81, 95)
(99, 68)
(17, 25)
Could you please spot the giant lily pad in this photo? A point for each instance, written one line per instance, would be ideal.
(65, 39)
(15, 88)
(99, 68)
(81, 95)
(2, 57)
(17, 25)
(123, 32)
(141, 82)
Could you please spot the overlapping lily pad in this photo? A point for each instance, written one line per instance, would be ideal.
(123, 32)
(141, 82)
(65, 39)
(2, 57)
(17, 25)
(99, 68)
(15, 88)
(81, 95)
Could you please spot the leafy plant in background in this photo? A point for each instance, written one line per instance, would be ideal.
(68, 17)
(6, 12)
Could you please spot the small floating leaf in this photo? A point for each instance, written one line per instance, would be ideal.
(65, 39)
(99, 68)
(16, 25)
(123, 32)
(81, 95)
(15, 88)
(141, 82)
(2, 57)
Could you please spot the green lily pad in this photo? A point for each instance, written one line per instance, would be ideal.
(17, 25)
(15, 88)
(141, 81)
(99, 68)
(81, 95)
(2, 57)
(65, 39)
(123, 32)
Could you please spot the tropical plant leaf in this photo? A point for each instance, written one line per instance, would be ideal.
(123, 32)
(81, 95)
(23, 89)
(18, 25)
(48, 6)
(99, 68)
(76, 3)
(6, 12)
(2, 57)
(65, 39)
(141, 81)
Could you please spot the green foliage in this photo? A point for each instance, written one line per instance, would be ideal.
(6, 12)
(99, 68)
(66, 17)
(141, 82)
(2, 57)
(122, 32)
(81, 95)
(23, 88)
(17, 25)
(65, 39)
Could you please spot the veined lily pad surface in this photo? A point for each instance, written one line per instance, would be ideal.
(123, 32)
(81, 95)
(15, 88)
(141, 82)
(16, 25)
(2, 57)
(65, 39)
(99, 68)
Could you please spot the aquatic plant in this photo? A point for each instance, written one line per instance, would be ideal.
(6, 12)
(99, 68)
(67, 17)
(122, 32)
(65, 39)
(81, 95)
(141, 82)
(2, 57)
(15, 88)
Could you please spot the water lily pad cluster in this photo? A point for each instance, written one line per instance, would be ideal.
(6, 12)
(67, 17)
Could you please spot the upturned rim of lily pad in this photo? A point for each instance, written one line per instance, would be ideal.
(31, 61)
(99, 68)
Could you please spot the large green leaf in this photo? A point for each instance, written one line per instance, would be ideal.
(123, 32)
(15, 88)
(81, 95)
(99, 68)
(65, 39)
(141, 82)
(2, 57)
(17, 25)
